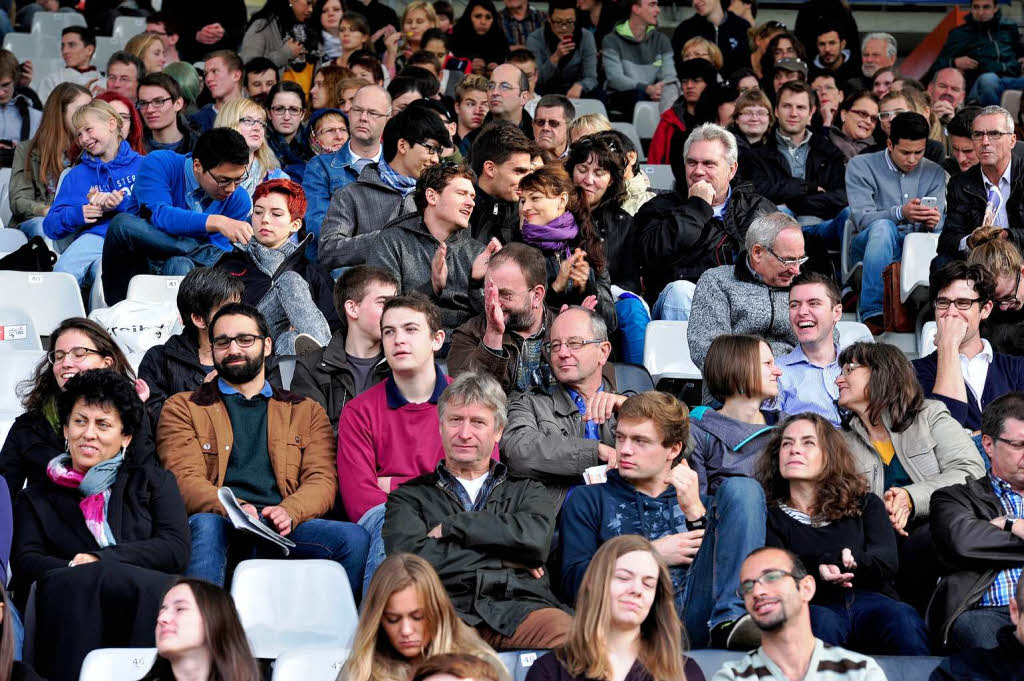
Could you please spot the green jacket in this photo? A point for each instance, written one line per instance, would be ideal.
(29, 195)
(514, 525)
(995, 45)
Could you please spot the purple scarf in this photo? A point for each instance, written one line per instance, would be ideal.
(553, 236)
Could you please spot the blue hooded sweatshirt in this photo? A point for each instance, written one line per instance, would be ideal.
(65, 216)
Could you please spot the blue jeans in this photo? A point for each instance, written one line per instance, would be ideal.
(82, 259)
(674, 301)
(977, 628)
(736, 526)
(878, 246)
(213, 537)
(871, 623)
(32, 227)
(134, 246)
(830, 232)
(989, 88)
(373, 522)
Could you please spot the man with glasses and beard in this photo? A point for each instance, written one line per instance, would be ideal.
(273, 449)
(777, 591)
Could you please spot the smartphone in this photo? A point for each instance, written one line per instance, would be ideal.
(929, 201)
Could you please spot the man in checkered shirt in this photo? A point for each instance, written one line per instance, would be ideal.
(978, 529)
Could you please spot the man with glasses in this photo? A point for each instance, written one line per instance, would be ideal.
(160, 104)
(527, 63)
(751, 296)
(993, 184)
(222, 75)
(274, 450)
(551, 125)
(509, 92)
(566, 57)
(964, 372)
(184, 212)
(328, 173)
(413, 141)
(777, 592)
(885, 189)
(978, 529)
(124, 70)
(714, 22)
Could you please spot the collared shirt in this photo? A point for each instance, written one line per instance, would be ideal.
(591, 431)
(719, 210)
(975, 370)
(796, 155)
(195, 196)
(804, 386)
(359, 162)
(1003, 588)
(395, 398)
(226, 389)
(1001, 220)
(516, 30)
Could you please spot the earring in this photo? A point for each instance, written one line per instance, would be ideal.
(66, 447)
(122, 452)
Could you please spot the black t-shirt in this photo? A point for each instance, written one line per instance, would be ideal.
(362, 371)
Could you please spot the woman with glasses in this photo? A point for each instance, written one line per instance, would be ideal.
(822, 510)
(906, 446)
(249, 119)
(131, 121)
(854, 128)
(100, 533)
(556, 219)
(896, 103)
(478, 36)
(77, 345)
(566, 54)
(286, 106)
(1004, 328)
(752, 118)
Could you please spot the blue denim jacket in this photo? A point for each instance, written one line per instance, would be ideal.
(325, 174)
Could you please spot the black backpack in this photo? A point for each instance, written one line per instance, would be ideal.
(31, 257)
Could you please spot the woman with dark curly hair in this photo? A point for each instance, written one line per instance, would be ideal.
(99, 534)
(820, 508)
(77, 345)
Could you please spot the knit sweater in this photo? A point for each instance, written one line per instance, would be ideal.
(877, 189)
(828, 663)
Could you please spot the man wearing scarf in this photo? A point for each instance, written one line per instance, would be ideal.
(412, 142)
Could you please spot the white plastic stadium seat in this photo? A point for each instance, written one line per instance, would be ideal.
(17, 331)
(27, 46)
(645, 118)
(104, 48)
(666, 352)
(661, 176)
(12, 239)
(286, 604)
(1011, 102)
(518, 662)
(126, 27)
(117, 664)
(5, 197)
(589, 106)
(926, 343)
(629, 130)
(55, 296)
(154, 288)
(46, 71)
(15, 367)
(853, 332)
(309, 664)
(846, 260)
(52, 23)
(919, 249)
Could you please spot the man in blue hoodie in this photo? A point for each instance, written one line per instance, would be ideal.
(654, 493)
(185, 211)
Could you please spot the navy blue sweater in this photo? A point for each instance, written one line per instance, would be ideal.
(1005, 375)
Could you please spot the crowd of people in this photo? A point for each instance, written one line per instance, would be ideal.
(410, 209)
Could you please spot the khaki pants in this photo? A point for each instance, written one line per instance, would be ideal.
(541, 630)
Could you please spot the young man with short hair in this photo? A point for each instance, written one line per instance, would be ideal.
(271, 448)
(551, 125)
(222, 75)
(832, 55)
(432, 251)
(124, 70)
(160, 104)
(185, 211)
(163, 25)
(563, 65)
(77, 47)
(713, 21)
(638, 58)
(885, 190)
(260, 75)
(471, 106)
(353, 362)
(962, 155)
(501, 157)
(519, 20)
(986, 48)
(19, 120)
(413, 141)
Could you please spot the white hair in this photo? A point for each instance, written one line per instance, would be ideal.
(891, 44)
(995, 110)
(765, 229)
(711, 132)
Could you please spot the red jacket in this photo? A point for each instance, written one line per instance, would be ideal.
(661, 143)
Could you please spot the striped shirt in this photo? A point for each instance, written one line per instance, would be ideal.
(1002, 589)
(828, 663)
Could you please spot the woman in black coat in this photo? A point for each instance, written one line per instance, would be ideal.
(77, 345)
(478, 36)
(100, 536)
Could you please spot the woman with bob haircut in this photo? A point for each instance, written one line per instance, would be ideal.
(752, 118)
(406, 617)
(199, 636)
(626, 626)
(822, 510)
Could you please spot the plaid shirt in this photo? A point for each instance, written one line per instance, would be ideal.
(516, 30)
(1002, 589)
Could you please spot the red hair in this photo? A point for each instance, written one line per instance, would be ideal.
(135, 129)
(295, 197)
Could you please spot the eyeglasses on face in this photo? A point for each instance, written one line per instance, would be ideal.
(849, 368)
(993, 135)
(283, 110)
(357, 111)
(432, 149)
(1011, 299)
(250, 122)
(789, 262)
(960, 303)
(768, 577)
(243, 340)
(156, 103)
(886, 115)
(77, 354)
(504, 87)
(574, 344)
(225, 182)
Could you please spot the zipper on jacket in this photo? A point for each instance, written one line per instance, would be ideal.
(983, 582)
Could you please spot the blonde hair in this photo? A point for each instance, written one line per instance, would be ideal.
(236, 109)
(661, 633)
(140, 44)
(373, 656)
(997, 255)
(424, 6)
(588, 124)
(714, 53)
(101, 110)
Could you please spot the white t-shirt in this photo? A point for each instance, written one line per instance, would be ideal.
(473, 486)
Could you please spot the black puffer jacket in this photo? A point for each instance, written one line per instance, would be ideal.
(615, 226)
(966, 199)
(494, 217)
(678, 237)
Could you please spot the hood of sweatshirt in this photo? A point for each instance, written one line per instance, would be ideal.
(626, 33)
(111, 176)
(732, 433)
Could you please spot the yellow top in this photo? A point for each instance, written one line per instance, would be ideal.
(885, 450)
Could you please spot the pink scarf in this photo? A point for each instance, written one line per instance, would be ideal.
(94, 505)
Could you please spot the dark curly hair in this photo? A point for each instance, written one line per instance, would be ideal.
(105, 388)
(609, 157)
(841, 488)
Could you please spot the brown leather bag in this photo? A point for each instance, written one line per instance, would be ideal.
(896, 315)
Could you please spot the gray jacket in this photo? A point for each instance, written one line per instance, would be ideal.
(578, 67)
(877, 189)
(935, 451)
(630, 64)
(729, 299)
(720, 447)
(544, 440)
(405, 247)
(263, 39)
(357, 211)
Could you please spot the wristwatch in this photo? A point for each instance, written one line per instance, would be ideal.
(700, 523)
(1008, 524)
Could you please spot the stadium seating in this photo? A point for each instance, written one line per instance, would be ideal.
(309, 664)
(287, 369)
(28, 47)
(5, 197)
(661, 176)
(54, 296)
(666, 353)
(589, 106)
(926, 342)
(645, 118)
(629, 131)
(853, 332)
(632, 378)
(104, 48)
(294, 603)
(154, 288)
(11, 239)
(847, 264)
(117, 664)
(18, 330)
(919, 249)
(1011, 102)
(126, 27)
(52, 23)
